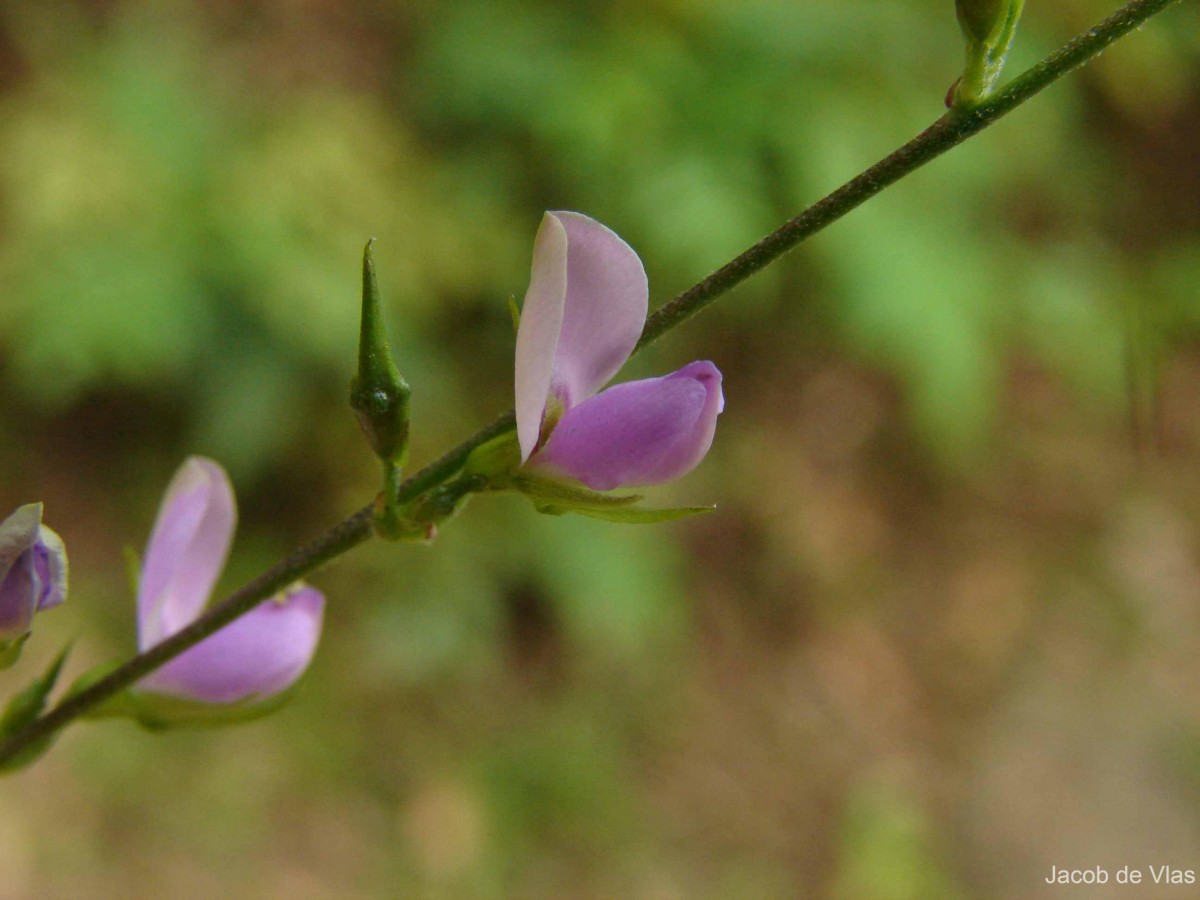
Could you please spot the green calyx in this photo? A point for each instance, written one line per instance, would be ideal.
(419, 519)
(497, 466)
(553, 497)
(988, 27)
(378, 393)
(159, 712)
(10, 651)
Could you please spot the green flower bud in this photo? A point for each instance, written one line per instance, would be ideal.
(378, 394)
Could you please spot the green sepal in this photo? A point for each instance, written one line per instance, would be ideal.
(418, 520)
(160, 712)
(443, 503)
(515, 312)
(378, 393)
(566, 497)
(642, 515)
(10, 651)
(24, 708)
(133, 568)
(495, 460)
(988, 28)
(552, 497)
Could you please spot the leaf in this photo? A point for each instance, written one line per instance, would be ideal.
(24, 708)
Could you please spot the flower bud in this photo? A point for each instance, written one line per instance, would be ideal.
(378, 393)
(33, 571)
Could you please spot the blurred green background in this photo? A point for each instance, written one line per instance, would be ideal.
(940, 635)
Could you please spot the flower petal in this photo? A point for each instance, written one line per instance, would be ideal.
(33, 569)
(583, 315)
(18, 533)
(187, 550)
(541, 323)
(17, 603)
(637, 433)
(607, 296)
(50, 567)
(256, 656)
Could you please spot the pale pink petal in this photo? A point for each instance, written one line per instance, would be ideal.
(256, 656)
(583, 314)
(538, 333)
(187, 549)
(607, 297)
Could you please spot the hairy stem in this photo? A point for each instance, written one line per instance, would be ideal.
(953, 128)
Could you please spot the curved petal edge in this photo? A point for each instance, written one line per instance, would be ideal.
(637, 433)
(254, 657)
(186, 551)
(606, 302)
(539, 329)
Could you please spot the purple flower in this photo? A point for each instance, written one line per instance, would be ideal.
(256, 656)
(33, 570)
(582, 317)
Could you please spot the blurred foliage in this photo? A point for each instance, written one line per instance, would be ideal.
(932, 532)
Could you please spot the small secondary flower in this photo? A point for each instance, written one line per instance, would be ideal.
(254, 657)
(582, 317)
(33, 570)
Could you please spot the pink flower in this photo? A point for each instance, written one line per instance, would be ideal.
(254, 657)
(582, 317)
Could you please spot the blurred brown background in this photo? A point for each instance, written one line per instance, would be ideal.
(941, 633)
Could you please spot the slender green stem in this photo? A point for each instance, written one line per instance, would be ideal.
(952, 129)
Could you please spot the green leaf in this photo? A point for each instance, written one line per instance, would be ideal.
(23, 710)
